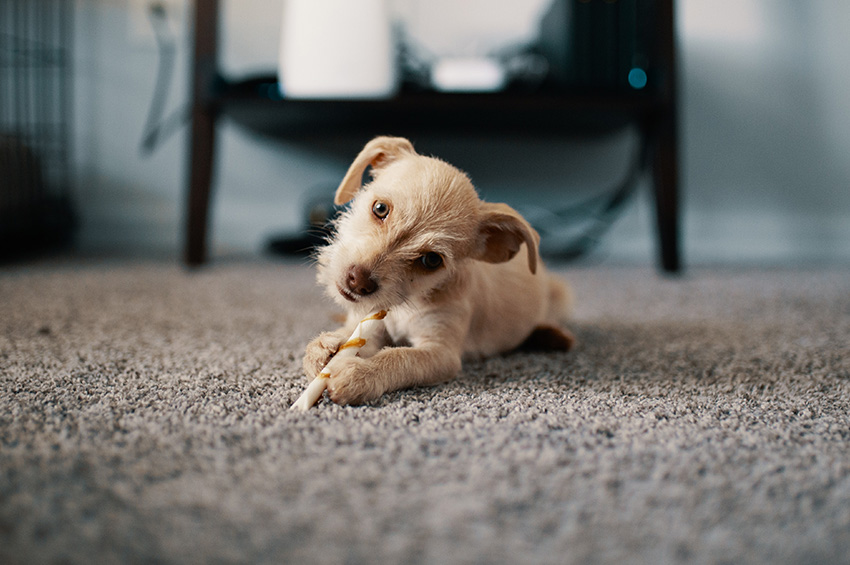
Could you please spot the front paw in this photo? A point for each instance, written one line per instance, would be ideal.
(319, 352)
(353, 381)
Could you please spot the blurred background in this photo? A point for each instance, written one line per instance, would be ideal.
(764, 133)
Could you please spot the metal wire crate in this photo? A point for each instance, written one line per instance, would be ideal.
(35, 117)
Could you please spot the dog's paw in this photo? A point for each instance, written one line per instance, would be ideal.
(354, 382)
(319, 352)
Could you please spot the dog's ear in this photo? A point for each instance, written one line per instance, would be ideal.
(378, 153)
(501, 232)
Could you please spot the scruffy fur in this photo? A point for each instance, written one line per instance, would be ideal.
(460, 277)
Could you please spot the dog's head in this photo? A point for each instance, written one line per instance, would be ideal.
(411, 229)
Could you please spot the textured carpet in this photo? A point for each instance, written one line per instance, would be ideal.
(143, 419)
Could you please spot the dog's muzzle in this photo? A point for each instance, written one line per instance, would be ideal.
(358, 282)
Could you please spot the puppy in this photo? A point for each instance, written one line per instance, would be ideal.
(448, 267)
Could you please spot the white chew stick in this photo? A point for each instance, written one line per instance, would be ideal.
(362, 334)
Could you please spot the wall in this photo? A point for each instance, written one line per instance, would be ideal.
(767, 129)
(765, 139)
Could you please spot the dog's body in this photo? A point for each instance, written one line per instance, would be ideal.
(418, 242)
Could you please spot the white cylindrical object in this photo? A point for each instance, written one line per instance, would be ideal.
(337, 49)
(362, 334)
(312, 393)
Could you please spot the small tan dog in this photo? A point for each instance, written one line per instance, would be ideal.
(417, 241)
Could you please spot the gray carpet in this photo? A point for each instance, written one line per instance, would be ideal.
(143, 419)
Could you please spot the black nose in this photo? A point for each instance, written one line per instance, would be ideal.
(360, 281)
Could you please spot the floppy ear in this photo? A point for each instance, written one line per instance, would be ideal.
(378, 153)
(501, 232)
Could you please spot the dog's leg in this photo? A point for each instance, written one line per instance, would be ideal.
(320, 350)
(549, 338)
(361, 380)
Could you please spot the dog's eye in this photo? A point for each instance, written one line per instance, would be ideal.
(380, 209)
(431, 260)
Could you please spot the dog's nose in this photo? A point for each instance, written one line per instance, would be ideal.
(360, 281)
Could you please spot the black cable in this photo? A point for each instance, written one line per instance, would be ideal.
(158, 129)
(608, 206)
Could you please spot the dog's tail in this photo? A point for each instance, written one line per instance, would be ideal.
(551, 335)
(560, 300)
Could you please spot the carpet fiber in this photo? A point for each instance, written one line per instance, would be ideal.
(143, 419)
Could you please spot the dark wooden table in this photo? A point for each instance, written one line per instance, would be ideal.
(257, 104)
